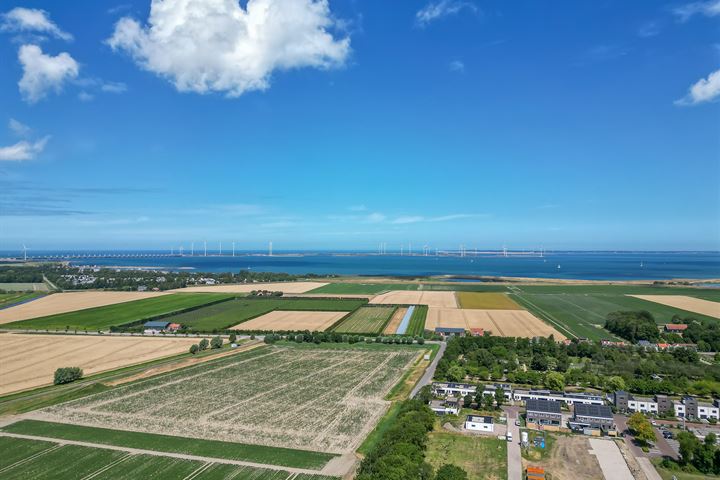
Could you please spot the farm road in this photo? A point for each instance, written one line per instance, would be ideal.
(137, 451)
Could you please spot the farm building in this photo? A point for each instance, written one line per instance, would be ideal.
(477, 332)
(450, 331)
(479, 423)
(594, 417)
(675, 328)
(543, 412)
(156, 326)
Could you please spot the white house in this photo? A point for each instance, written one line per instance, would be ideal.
(455, 389)
(479, 423)
(445, 407)
(642, 404)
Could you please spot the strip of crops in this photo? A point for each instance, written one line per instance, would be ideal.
(417, 321)
(366, 320)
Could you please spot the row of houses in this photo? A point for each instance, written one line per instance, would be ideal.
(446, 389)
(588, 418)
(688, 407)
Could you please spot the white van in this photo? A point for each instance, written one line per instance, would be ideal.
(508, 437)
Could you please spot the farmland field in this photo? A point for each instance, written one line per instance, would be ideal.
(28, 361)
(285, 287)
(363, 288)
(111, 315)
(24, 287)
(431, 299)
(325, 400)
(689, 304)
(584, 314)
(392, 326)
(417, 321)
(366, 320)
(504, 323)
(482, 300)
(287, 320)
(224, 315)
(46, 460)
(7, 299)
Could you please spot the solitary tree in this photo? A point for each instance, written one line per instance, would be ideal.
(499, 397)
(67, 375)
(193, 348)
(203, 345)
(232, 338)
(641, 428)
(216, 342)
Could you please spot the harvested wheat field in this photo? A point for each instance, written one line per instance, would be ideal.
(285, 287)
(416, 297)
(487, 301)
(291, 320)
(395, 321)
(70, 302)
(691, 304)
(504, 323)
(28, 361)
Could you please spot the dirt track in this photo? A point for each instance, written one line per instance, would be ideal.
(69, 302)
(28, 361)
(395, 321)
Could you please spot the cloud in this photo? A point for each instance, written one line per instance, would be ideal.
(31, 20)
(375, 218)
(457, 66)
(86, 97)
(648, 29)
(19, 128)
(23, 150)
(113, 87)
(207, 46)
(43, 73)
(704, 90)
(439, 9)
(709, 8)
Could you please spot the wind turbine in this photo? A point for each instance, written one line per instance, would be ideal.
(233, 243)
(205, 247)
(192, 249)
(24, 253)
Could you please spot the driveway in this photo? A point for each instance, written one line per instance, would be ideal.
(429, 371)
(514, 460)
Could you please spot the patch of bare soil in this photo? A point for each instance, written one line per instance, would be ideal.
(570, 460)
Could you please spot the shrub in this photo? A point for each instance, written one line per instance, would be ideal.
(203, 345)
(193, 348)
(67, 375)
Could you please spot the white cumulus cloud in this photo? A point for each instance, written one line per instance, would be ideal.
(43, 73)
(710, 8)
(442, 8)
(704, 90)
(23, 150)
(31, 20)
(218, 46)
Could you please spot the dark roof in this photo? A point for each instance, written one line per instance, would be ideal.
(542, 405)
(597, 411)
(156, 324)
(479, 419)
(449, 330)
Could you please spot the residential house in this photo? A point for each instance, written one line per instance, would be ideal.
(444, 389)
(450, 332)
(678, 328)
(449, 406)
(543, 412)
(479, 423)
(596, 417)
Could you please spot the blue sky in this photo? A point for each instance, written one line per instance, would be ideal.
(571, 125)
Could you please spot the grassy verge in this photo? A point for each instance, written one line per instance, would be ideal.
(385, 422)
(666, 474)
(165, 443)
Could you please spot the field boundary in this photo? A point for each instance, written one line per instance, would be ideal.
(543, 315)
(174, 313)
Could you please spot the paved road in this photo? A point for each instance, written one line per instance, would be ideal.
(429, 371)
(610, 459)
(514, 459)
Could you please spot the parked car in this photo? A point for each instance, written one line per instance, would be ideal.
(508, 437)
(517, 422)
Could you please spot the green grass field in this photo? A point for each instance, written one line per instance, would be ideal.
(705, 293)
(417, 321)
(121, 313)
(224, 315)
(366, 320)
(285, 457)
(41, 460)
(481, 457)
(7, 299)
(487, 301)
(583, 313)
